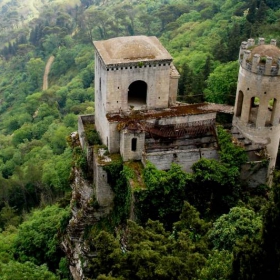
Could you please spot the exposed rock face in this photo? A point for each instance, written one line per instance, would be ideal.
(84, 213)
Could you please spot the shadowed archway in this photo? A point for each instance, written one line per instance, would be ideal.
(137, 94)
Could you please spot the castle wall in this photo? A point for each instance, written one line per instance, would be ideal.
(186, 142)
(83, 141)
(81, 132)
(102, 189)
(184, 158)
(114, 135)
(263, 87)
(184, 119)
(114, 138)
(118, 80)
(101, 122)
(259, 76)
(268, 136)
(173, 85)
(254, 174)
(131, 150)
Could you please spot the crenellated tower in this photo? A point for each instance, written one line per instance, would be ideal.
(257, 105)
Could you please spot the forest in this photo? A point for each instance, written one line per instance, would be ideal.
(203, 225)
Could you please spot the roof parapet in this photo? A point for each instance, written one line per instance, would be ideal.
(261, 64)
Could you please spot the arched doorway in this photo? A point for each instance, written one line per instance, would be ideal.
(137, 94)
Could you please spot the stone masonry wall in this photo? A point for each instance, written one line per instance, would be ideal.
(102, 189)
(126, 145)
(156, 77)
(184, 158)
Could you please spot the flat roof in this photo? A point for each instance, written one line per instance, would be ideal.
(174, 111)
(131, 49)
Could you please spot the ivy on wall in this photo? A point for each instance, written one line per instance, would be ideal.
(118, 175)
(230, 153)
(213, 187)
(164, 196)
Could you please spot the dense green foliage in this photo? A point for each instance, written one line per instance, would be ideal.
(151, 252)
(163, 199)
(230, 228)
(34, 248)
(203, 37)
(37, 237)
(28, 270)
(213, 187)
(117, 178)
(257, 258)
(218, 266)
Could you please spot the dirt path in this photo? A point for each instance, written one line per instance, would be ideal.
(47, 71)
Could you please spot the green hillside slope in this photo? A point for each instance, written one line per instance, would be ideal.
(203, 37)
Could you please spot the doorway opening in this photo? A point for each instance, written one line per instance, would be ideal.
(137, 94)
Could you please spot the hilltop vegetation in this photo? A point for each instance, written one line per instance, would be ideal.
(203, 37)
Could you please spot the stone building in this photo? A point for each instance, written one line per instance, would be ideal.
(138, 118)
(136, 113)
(257, 105)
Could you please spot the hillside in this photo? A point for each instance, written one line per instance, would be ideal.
(16, 17)
(36, 156)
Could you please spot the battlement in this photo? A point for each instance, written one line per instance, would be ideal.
(262, 59)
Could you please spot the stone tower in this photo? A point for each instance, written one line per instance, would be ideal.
(257, 105)
(131, 73)
(136, 113)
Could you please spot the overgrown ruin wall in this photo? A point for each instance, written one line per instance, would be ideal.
(254, 173)
(184, 158)
(103, 192)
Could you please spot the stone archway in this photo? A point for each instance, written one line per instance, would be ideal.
(137, 94)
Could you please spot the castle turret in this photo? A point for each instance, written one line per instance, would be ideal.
(257, 106)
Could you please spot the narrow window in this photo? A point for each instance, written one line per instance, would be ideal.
(109, 178)
(271, 111)
(254, 108)
(133, 144)
(239, 104)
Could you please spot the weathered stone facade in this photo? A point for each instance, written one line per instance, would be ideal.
(136, 113)
(135, 74)
(131, 73)
(257, 106)
(137, 116)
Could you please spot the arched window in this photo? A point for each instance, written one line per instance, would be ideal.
(137, 94)
(133, 144)
(239, 104)
(271, 111)
(254, 108)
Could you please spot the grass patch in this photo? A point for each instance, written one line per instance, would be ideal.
(136, 180)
